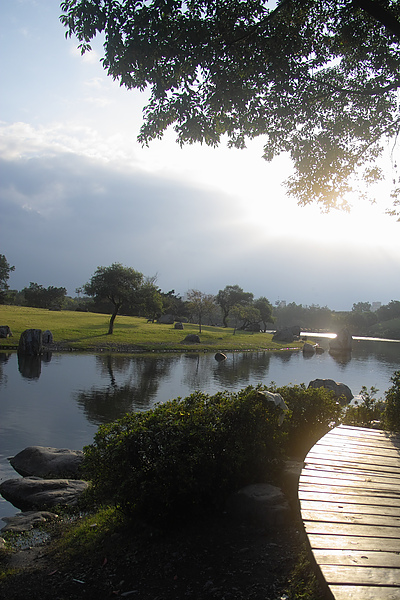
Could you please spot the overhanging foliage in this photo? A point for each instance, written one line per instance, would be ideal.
(317, 80)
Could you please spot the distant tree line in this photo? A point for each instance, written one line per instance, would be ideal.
(123, 290)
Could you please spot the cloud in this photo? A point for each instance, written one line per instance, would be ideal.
(70, 203)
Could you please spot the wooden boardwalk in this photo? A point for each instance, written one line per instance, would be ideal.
(349, 492)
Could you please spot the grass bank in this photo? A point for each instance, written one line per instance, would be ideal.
(88, 331)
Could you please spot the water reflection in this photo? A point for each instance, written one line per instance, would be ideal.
(30, 366)
(4, 358)
(243, 366)
(341, 358)
(133, 385)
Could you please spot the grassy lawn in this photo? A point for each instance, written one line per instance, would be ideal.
(88, 331)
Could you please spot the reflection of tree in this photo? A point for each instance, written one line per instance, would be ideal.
(285, 356)
(198, 370)
(4, 358)
(384, 351)
(142, 377)
(242, 367)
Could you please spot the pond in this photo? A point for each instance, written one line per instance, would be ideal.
(61, 399)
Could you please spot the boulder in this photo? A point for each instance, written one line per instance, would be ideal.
(192, 338)
(283, 335)
(166, 319)
(25, 521)
(261, 504)
(47, 337)
(220, 356)
(308, 348)
(5, 331)
(341, 390)
(31, 342)
(343, 343)
(278, 401)
(178, 325)
(287, 334)
(33, 493)
(46, 462)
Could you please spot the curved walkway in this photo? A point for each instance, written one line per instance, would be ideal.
(349, 492)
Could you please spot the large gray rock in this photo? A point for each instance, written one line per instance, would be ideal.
(26, 521)
(47, 337)
(308, 348)
(278, 401)
(261, 503)
(342, 344)
(41, 461)
(31, 342)
(166, 319)
(33, 493)
(5, 331)
(178, 325)
(192, 338)
(340, 389)
(287, 334)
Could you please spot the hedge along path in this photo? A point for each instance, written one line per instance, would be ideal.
(349, 493)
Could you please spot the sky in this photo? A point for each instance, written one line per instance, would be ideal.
(77, 191)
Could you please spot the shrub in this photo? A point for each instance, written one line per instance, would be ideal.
(185, 456)
(392, 411)
(313, 412)
(365, 413)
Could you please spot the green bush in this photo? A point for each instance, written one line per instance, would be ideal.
(313, 412)
(392, 411)
(366, 412)
(185, 456)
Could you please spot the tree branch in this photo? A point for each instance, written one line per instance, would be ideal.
(381, 14)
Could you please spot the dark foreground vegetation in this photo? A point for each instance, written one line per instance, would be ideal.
(154, 524)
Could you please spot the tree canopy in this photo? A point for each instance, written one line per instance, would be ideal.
(5, 270)
(40, 297)
(230, 296)
(317, 80)
(117, 284)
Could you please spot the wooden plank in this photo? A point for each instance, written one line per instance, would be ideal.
(355, 509)
(360, 432)
(337, 463)
(360, 575)
(337, 445)
(356, 457)
(349, 542)
(350, 518)
(357, 557)
(356, 482)
(371, 445)
(346, 475)
(309, 493)
(350, 529)
(358, 592)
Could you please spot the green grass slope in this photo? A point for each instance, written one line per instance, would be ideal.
(88, 331)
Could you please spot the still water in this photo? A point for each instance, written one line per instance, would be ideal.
(62, 399)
